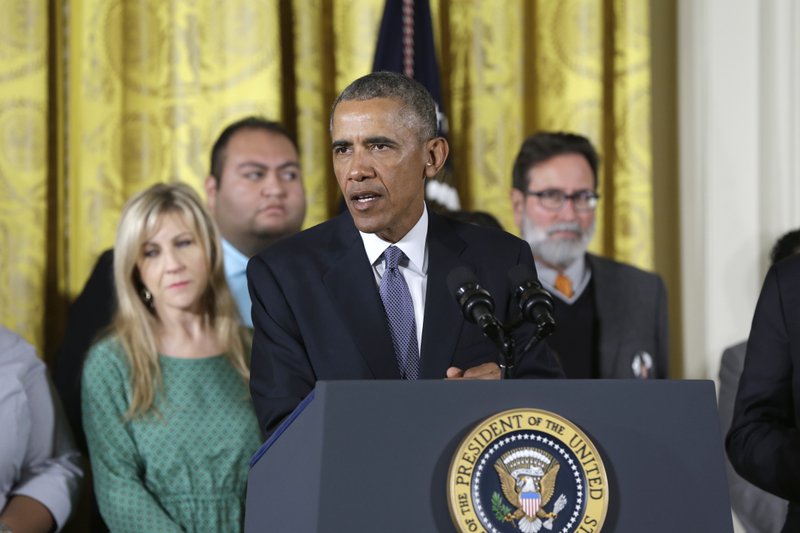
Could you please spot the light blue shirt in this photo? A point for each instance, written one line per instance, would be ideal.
(236, 274)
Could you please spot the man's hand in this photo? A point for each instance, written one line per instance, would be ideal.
(484, 371)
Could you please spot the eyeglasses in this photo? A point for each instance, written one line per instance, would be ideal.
(554, 199)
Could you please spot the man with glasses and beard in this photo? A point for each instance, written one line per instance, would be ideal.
(612, 317)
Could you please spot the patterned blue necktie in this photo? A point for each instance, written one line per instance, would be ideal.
(400, 314)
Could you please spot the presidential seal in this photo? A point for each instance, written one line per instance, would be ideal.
(527, 470)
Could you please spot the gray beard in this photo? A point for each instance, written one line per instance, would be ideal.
(559, 253)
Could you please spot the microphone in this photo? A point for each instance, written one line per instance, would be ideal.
(476, 304)
(535, 303)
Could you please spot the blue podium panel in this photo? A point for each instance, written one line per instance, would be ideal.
(374, 455)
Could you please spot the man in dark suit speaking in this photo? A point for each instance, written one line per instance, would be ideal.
(364, 296)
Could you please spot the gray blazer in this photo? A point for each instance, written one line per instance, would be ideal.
(757, 510)
(631, 309)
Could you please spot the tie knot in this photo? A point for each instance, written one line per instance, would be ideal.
(393, 255)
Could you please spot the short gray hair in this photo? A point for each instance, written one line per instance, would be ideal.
(411, 93)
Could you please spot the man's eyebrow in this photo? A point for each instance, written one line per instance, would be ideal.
(261, 166)
(244, 164)
(340, 144)
(379, 139)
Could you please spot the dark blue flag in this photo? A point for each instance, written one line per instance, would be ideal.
(406, 45)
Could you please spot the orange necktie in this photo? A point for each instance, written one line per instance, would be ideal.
(564, 285)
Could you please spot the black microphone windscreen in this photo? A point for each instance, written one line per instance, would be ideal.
(458, 277)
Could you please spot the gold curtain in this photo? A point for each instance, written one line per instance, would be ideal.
(568, 65)
(150, 84)
(25, 145)
(102, 98)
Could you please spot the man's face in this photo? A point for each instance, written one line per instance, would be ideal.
(381, 164)
(260, 196)
(557, 236)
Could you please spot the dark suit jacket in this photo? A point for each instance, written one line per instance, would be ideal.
(89, 315)
(318, 314)
(632, 316)
(758, 510)
(764, 440)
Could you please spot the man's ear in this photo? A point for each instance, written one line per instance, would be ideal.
(210, 185)
(437, 150)
(518, 206)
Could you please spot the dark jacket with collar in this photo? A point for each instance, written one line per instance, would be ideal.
(631, 307)
(318, 314)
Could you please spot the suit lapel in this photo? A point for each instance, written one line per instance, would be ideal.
(443, 319)
(350, 282)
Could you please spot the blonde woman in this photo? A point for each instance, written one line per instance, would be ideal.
(168, 420)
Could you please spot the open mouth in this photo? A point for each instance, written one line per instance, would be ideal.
(364, 198)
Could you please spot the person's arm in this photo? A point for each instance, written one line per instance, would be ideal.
(125, 502)
(50, 474)
(756, 509)
(280, 371)
(763, 441)
(23, 514)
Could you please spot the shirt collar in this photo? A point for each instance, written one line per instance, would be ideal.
(412, 244)
(234, 261)
(578, 272)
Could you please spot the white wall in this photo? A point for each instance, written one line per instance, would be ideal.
(739, 115)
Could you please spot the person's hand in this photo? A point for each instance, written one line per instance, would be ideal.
(484, 371)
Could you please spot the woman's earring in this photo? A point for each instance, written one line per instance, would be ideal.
(147, 297)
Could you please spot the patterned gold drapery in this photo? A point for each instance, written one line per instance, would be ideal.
(119, 94)
(570, 65)
(150, 84)
(25, 151)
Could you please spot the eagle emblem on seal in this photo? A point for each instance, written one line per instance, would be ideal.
(528, 480)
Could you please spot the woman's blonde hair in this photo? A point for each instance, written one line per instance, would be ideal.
(135, 322)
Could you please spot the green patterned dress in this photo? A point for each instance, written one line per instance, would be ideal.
(183, 469)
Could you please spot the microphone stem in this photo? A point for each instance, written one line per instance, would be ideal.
(508, 356)
(507, 351)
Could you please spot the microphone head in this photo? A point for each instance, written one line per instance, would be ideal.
(535, 302)
(469, 294)
(458, 278)
(522, 276)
